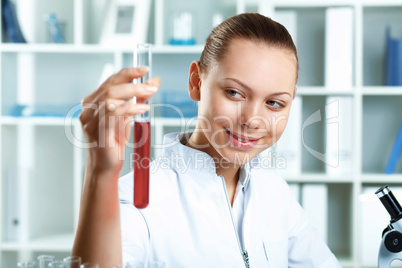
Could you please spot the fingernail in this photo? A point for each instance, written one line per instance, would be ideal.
(142, 107)
(143, 68)
(151, 88)
(156, 79)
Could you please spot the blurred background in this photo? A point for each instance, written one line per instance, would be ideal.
(343, 140)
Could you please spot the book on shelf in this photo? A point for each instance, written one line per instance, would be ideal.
(396, 153)
(16, 185)
(339, 134)
(339, 48)
(10, 22)
(314, 200)
(394, 60)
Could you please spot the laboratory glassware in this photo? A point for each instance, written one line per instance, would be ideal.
(142, 133)
(57, 264)
(45, 260)
(26, 264)
(72, 261)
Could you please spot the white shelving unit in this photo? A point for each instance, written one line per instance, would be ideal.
(44, 73)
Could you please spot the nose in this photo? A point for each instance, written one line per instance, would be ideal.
(252, 116)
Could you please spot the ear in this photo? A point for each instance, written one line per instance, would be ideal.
(194, 81)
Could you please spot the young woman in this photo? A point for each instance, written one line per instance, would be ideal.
(212, 203)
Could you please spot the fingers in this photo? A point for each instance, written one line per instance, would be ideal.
(122, 92)
(108, 114)
(127, 75)
(111, 107)
(122, 77)
(128, 91)
(156, 81)
(116, 98)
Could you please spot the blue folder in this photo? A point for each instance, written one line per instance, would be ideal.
(395, 153)
(10, 21)
(394, 60)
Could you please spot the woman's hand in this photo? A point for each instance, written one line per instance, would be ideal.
(106, 120)
(107, 114)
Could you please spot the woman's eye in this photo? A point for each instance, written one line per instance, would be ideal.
(234, 93)
(275, 104)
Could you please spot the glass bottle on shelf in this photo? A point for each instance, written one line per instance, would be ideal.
(57, 264)
(26, 264)
(72, 261)
(45, 260)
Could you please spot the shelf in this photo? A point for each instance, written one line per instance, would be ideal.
(60, 121)
(382, 90)
(197, 49)
(376, 3)
(382, 178)
(366, 90)
(46, 121)
(71, 48)
(319, 178)
(61, 242)
(54, 48)
(323, 91)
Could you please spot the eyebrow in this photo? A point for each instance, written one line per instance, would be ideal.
(249, 89)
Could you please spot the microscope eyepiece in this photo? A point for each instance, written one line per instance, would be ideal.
(390, 203)
(384, 190)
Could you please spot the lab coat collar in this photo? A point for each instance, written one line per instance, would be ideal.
(182, 157)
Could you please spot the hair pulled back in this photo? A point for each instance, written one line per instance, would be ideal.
(247, 26)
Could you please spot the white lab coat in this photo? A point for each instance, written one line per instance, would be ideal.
(189, 220)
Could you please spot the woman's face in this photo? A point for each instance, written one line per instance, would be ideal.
(244, 101)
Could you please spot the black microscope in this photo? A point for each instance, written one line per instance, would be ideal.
(391, 244)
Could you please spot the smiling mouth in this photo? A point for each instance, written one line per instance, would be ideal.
(242, 138)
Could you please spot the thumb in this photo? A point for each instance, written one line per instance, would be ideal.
(155, 81)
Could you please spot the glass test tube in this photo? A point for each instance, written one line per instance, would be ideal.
(27, 264)
(45, 260)
(72, 261)
(142, 133)
(57, 264)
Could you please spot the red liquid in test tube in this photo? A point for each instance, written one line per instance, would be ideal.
(142, 134)
(142, 131)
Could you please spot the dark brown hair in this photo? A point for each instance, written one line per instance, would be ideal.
(248, 26)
